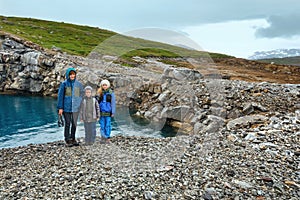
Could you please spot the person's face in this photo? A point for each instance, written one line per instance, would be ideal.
(88, 93)
(72, 75)
(104, 86)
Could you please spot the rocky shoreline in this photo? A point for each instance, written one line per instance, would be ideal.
(254, 163)
(244, 145)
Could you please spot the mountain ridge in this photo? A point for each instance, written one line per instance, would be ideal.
(283, 61)
(76, 39)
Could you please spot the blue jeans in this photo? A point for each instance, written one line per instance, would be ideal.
(105, 126)
(90, 132)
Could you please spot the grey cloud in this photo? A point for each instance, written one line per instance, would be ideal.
(170, 14)
(176, 14)
(281, 26)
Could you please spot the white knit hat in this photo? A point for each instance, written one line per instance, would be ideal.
(88, 88)
(105, 82)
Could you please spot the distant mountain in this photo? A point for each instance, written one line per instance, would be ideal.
(278, 53)
(283, 61)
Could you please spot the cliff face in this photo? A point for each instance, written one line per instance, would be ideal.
(23, 67)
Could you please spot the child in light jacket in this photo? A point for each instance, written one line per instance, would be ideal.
(89, 114)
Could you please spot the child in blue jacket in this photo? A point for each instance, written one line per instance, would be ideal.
(70, 95)
(107, 104)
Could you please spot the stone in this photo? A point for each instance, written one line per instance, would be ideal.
(246, 120)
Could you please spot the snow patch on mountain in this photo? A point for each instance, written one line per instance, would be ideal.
(278, 53)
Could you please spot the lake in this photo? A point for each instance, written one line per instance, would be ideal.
(31, 120)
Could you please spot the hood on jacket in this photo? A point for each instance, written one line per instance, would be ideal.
(68, 72)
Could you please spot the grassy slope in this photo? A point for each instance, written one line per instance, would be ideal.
(73, 39)
(82, 40)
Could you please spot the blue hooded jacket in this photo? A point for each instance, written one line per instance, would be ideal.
(70, 94)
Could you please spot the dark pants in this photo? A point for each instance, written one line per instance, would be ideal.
(70, 119)
(90, 132)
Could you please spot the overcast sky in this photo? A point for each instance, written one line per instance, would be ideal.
(234, 27)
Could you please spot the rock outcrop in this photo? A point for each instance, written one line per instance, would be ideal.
(163, 93)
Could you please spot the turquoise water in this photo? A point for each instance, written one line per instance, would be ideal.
(30, 120)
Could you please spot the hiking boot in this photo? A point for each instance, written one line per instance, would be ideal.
(69, 143)
(102, 140)
(74, 142)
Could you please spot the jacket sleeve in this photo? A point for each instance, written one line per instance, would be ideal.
(81, 110)
(113, 103)
(81, 90)
(60, 96)
(97, 109)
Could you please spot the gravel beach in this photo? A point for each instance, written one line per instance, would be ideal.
(256, 163)
(252, 152)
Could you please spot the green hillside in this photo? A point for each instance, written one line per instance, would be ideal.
(82, 40)
(73, 39)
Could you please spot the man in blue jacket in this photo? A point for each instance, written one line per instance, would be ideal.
(70, 95)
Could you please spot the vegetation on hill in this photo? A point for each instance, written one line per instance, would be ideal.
(82, 40)
(70, 38)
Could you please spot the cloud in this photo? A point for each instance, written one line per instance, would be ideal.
(122, 16)
(178, 14)
(280, 26)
